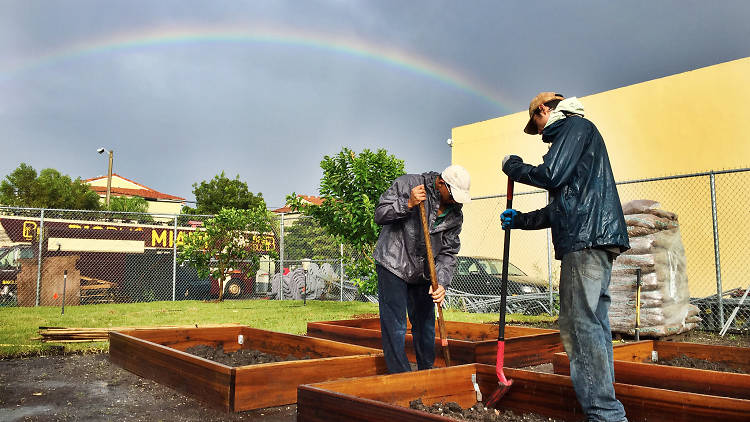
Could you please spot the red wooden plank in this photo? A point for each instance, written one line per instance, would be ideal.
(523, 346)
(522, 351)
(318, 405)
(275, 384)
(457, 330)
(639, 351)
(699, 381)
(245, 387)
(301, 346)
(191, 375)
(369, 398)
(184, 338)
(736, 357)
(352, 335)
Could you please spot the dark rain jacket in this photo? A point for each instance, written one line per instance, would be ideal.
(401, 246)
(584, 209)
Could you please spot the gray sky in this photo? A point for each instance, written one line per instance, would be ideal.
(182, 90)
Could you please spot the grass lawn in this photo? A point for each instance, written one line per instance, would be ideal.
(19, 326)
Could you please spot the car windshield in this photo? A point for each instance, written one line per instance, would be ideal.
(495, 267)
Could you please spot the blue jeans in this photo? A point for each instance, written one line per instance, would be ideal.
(585, 332)
(395, 299)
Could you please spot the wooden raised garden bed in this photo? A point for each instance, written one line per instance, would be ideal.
(386, 398)
(158, 354)
(634, 365)
(468, 342)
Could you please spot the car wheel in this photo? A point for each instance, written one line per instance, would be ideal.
(233, 289)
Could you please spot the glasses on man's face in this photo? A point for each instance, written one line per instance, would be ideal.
(449, 189)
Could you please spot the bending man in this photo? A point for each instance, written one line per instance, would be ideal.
(404, 284)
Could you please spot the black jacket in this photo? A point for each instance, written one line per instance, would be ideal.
(584, 209)
(401, 246)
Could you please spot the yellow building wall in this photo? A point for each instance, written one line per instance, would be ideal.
(159, 207)
(154, 207)
(685, 123)
(117, 182)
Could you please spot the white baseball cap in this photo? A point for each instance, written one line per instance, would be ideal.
(459, 181)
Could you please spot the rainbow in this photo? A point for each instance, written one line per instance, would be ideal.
(155, 37)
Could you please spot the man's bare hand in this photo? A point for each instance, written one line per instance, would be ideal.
(438, 295)
(418, 194)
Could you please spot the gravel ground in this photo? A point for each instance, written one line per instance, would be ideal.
(87, 387)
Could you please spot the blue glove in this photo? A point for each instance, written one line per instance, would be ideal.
(508, 219)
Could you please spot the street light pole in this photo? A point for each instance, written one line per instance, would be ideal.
(109, 178)
(109, 174)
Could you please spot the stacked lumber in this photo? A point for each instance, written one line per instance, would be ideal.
(80, 335)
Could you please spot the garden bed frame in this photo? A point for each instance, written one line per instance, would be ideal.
(632, 367)
(468, 342)
(159, 354)
(386, 398)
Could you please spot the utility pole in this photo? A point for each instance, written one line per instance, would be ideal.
(109, 174)
(109, 178)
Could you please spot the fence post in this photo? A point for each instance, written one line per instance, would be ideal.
(341, 271)
(40, 238)
(549, 265)
(281, 260)
(717, 257)
(174, 259)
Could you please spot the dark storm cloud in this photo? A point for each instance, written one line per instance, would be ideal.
(178, 113)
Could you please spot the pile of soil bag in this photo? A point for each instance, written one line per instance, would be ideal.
(656, 249)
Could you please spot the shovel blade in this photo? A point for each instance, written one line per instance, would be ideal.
(503, 384)
(498, 394)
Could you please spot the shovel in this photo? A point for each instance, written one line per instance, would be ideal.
(433, 277)
(638, 304)
(503, 384)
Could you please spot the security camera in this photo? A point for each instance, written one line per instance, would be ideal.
(100, 150)
(449, 141)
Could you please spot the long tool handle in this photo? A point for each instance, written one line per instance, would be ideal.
(433, 277)
(506, 257)
(638, 304)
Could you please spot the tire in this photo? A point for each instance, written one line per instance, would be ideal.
(234, 289)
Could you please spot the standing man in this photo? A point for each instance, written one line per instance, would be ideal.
(588, 231)
(404, 284)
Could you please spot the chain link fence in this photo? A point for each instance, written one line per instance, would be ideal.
(712, 208)
(312, 262)
(88, 257)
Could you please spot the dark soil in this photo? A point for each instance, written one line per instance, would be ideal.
(241, 357)
(688, 362)
(709, 337)
(478, 413)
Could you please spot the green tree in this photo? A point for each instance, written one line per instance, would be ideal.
(305, 238)
(223, 192)
(134, 204)
(128, 204)
(227, 242)
(50, 189)
(351, 186)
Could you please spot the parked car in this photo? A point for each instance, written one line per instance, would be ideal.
(482, 276)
